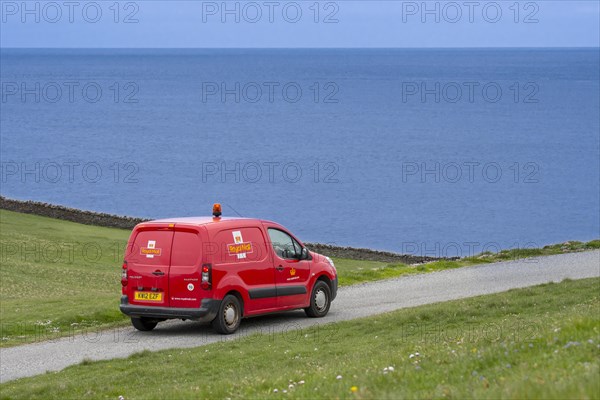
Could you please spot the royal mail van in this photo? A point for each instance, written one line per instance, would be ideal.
(220, 270)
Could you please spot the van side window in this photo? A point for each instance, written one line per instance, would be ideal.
(283, 244)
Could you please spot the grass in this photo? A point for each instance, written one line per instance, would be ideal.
(539, 342)
(352, 271)
(58, 278)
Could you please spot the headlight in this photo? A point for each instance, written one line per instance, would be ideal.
(330, 261)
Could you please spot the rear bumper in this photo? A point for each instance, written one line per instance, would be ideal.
(207, 311)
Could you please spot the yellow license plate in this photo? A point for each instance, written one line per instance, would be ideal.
(148, 296)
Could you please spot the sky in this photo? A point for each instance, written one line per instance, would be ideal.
(300, 23)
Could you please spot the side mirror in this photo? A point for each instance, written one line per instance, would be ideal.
(304, 254)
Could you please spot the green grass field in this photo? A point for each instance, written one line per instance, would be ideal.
(59, 277)
(539, 342)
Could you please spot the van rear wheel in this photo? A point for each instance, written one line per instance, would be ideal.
(143, 324)
(320, 300)
(229, 317)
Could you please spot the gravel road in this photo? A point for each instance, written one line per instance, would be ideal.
(352, 302)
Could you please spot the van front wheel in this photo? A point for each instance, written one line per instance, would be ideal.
(143, 324)
(229, 316)
(320, 300)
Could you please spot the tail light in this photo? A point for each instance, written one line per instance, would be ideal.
(124, 274)
(206, 276)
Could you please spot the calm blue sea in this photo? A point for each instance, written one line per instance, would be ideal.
(436, 152)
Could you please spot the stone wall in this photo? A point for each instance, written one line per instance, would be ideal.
(69, 214)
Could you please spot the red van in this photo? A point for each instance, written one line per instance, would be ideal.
(220, 270)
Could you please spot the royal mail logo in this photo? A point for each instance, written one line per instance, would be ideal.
(150, 250)
(293, 271)
(146, 250)
(240, 248)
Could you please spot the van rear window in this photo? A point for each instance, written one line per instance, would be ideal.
(152, 247)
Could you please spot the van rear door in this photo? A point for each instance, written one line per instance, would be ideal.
(185, 271)
(148, 262)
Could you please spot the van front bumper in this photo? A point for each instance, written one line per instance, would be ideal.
(334, 288)
(207, 312)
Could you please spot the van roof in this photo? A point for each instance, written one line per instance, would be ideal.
(203, 220)
(212, 223)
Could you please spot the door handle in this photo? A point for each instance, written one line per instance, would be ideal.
(279, 268)
(158, 273)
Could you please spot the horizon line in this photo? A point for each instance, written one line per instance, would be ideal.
(299, 48)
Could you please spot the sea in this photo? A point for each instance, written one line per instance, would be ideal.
(438, 152)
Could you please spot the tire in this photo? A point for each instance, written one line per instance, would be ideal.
(320, 300)
(229, 317)
(143, 324)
